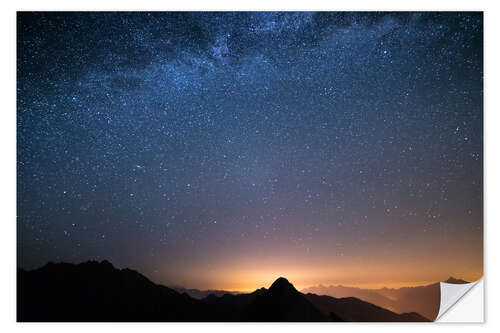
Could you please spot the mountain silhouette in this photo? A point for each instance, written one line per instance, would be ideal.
(282, 302)
(424, 300)
(97, 291)
(200, 294)
(282, 287)
(354, 309)
(452, 280)
(339, 291)
(94, 291)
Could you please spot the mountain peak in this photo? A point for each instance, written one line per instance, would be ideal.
(451, 279)
(104, 264)
(280, 281)
(283, 287)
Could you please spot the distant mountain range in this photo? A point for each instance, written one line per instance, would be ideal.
(422, 299)
(97, 291)
(200, 294)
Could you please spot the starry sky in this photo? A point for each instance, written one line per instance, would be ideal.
(222, 150)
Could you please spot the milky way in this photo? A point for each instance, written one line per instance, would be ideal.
(205, 149)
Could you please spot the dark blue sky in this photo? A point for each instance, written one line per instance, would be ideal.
(196, 147)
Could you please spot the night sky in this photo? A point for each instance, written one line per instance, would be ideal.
(222, 150)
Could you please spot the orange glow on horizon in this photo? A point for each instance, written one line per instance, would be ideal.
(413, 262)
(250, 286)
(364, 277)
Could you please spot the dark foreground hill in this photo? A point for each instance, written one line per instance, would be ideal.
(281, 302)
(94, 291)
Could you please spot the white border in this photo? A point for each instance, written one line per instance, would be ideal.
(8, 126)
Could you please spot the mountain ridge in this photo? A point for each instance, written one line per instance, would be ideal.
(97, 291)
(424, 299)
